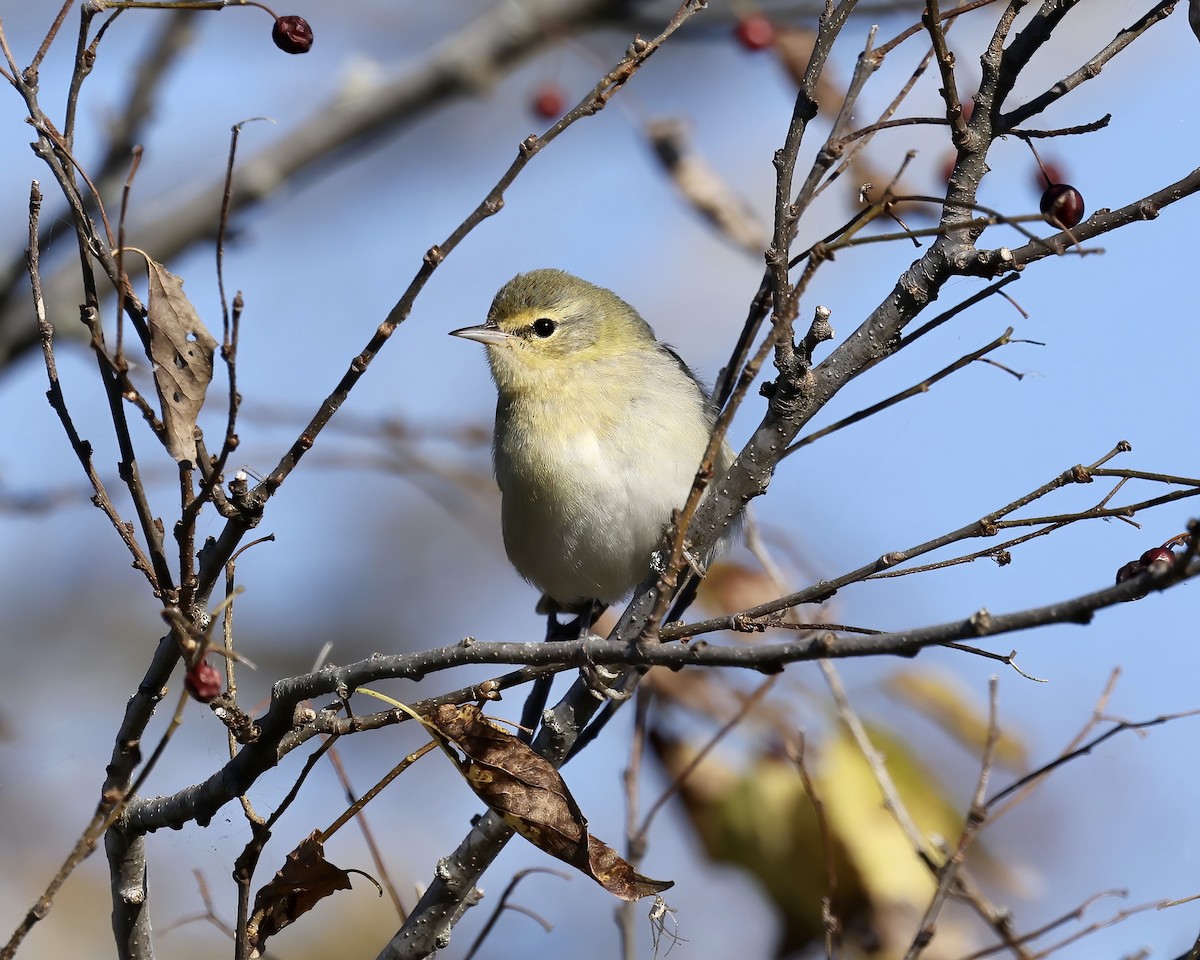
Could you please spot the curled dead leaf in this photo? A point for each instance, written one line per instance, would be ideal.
(526, 790)
(305, 878)
(181, 351)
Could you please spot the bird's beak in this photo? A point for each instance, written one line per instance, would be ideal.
(487, 335)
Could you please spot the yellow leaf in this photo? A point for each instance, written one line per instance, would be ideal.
(939, 697)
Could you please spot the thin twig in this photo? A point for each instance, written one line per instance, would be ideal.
(503, 904)
(832, 922)
(916, 390)
(673, 788)
(976, 817)
(635, 840)
(1119, 727)
(891, 796)
(381, 871)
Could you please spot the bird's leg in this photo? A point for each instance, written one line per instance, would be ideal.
(683, 599)
(539, 693)
(576, 629)
(603, 682)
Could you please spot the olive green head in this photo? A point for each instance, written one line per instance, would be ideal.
(548, 320)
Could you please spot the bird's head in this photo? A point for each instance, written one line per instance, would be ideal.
(548, 321)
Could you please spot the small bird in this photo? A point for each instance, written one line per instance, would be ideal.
(600, 430)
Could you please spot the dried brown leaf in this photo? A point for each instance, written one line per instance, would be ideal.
(526, 790)
(181, 349)
(305, 879)
(617, 875)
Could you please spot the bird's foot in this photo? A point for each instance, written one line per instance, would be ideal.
(605, 682)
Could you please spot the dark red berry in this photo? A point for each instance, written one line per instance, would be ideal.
(549, 102)
(1130, 570)
(292, 34)
(755, 32)
(1158, 555)
(1062, 205)
(1155, 557)
(202, 681)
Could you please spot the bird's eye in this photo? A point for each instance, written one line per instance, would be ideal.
(544, 326)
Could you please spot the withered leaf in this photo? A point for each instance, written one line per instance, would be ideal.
(617, 876)
(530, 794)
(181, 350)
(305, 879)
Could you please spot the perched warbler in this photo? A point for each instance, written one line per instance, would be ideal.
(600, 430)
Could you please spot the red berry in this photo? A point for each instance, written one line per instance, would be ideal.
(1062, 205)
(755, 32)
(1158, 555)
(549, 102)
(202, 681)
(292, 34)
(1130, 570)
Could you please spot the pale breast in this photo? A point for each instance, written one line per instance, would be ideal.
(582, 515)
